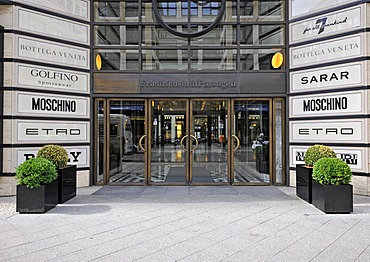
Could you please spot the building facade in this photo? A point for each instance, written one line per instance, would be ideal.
(152, 92)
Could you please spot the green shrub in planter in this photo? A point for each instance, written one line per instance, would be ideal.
(54, 153)
(331, 171)
(316, 152)
(35, 172)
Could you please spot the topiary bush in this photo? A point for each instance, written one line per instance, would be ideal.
(54, 153)
(316, 152)
(331, 171)
(35, 172)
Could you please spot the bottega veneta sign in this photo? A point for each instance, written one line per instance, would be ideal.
(325, 25)
(331, 77)
(52, 26)
(46, 78)
(331, 104)
(54, 53)
(354, 157)
(327, 51)
(324, 131)
(52, 105)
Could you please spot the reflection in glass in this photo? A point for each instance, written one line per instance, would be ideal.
(258, 59)
(224, 35)
(116, 35)
(121, 11)
(168, 127)
(221, 59)
(126, 127)
(254, 10)
(210, 130)
(100, 143)
(278, 141)
(251, 126)
(119, 59)
(157, 36)
(165, 60)
(261, 35)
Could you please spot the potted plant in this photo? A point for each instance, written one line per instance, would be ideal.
(331, 191)
(304, 172)
(66, 174)
(37, 189)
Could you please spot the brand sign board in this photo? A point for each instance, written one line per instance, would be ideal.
(325, 131)
(77, 155)
(330, 77)
(327, 51)
(37, 131)
(51, 52)
(305, 7)
(355, 157)
(51, 105)
(47, 78)
(329, 104)
(326, 25)
(75, 8)
(52, 26)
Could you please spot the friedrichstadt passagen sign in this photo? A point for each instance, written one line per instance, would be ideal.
(304, 7)
(51, 105)
(54, 53)
(354, 157)
(187, 84)
(76, 8)
(325, 25)
(46, 78)
(77, 155)
(51, 131)
(331, 77)
(52, 26)
(327, 51)
(329, 104)
(324, 131)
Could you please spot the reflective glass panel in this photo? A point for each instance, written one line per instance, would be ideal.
(263, 10)
(116, 35)
(100, 143)
(261, 35)
(258, 59)
(219, 59)
(165, 60)
(121, 11)
(157, 36)
(119, 59)
(224, 35)
(278, 110)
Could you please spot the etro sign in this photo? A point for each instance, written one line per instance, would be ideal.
(165, 9)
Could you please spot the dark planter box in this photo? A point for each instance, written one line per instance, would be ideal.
(304, 182)
(37, 200)
(66, 183)
(332, 199)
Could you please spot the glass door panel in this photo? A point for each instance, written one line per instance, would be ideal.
(209, 150)
(126, 130)
(252, 132)
(168, 156)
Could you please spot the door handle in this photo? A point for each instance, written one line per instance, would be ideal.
(196, 143)
(182, 142)
(237, 143)
(140, 143)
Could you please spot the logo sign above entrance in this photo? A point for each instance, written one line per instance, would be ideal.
(164, 9)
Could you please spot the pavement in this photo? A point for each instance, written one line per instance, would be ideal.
(159, 223)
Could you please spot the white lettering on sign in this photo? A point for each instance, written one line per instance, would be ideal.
(328, 105)
(327, 51)
(325, 25)
(324, 131)
(47, 78)
(331, 77)
(39, 23)
(55, 53)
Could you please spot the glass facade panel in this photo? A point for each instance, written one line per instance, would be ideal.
(100, 143)
(224, 35)
(116, 35)
(213, 60)
(121, 59)
(258, 59)
(279, 160)
(155, 35)
(261, 10)
(121, 11)
(262, 35)
(165, 60)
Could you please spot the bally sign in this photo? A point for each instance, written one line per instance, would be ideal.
(325, 25)
(75, 8)
(328, 104)
(303, 7)
(51, 131)
(55, 53)
(78, 155)
(48, 25)
(327, 51)
(355, 157)
(52, 105)
(324, 131)
(330, 77)
(46, 78)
